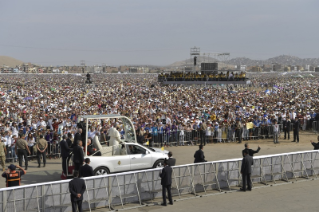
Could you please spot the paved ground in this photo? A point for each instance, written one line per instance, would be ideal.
(290, 197)
(183, 155)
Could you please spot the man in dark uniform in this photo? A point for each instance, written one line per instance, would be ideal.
(65, 152)
(166, 182)
(296, 130)
(78, 156)
(41, 150)
(199, 155)
(315, 145)
(21, 149)
(12, 176)
(171, 161)
(250, 151)
(76, 188)
(86, 170)
(246, 170)
(286, 126)
(69, 140)
(77, 137)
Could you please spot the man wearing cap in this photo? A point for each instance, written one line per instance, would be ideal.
(21, 149)
(12, 176)
(42, 145)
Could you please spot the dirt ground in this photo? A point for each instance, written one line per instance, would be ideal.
(183, 155)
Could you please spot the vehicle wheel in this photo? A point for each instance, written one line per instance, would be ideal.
(101, 171)
(159, 164)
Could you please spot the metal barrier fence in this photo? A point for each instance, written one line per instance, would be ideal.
(140, 188)
(53, 150)
(222, 134)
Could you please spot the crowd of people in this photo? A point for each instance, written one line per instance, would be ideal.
(212, 76)
(33, 107)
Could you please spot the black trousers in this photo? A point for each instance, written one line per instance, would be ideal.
(21, 153)
(202, 137)
(77, 166)
(168, 187)
(64, 160)
(44, 154)
(77, 205)
(287, 133)
(239, 134)
(296, 135)
(246, 179)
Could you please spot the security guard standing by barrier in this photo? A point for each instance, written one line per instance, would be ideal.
(22, 149)
(13, 177)
(42, 147)
(3, 155)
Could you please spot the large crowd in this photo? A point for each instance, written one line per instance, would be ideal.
(196, 76)
(36, 105)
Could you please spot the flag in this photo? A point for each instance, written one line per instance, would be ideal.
(147, 143)
(162, 148)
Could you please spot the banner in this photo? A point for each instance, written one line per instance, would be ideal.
(249, 125)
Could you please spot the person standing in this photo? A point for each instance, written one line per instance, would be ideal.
(199, 155)
(245, 171)
(86, 170)
(296, 130)
(76, 188)
(286, 125)
(65, 153)
(239, 127)
(21, 150)
(203, 128)
(250, 151)
(78, 156)
(12, 176)
(166, 182)
(315, 145)
(171, 161)
(42, 146)
(3, 152)
(77, 137)
(276, 132)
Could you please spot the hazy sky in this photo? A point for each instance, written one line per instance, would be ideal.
(158, 32)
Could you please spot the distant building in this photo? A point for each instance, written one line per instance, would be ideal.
(277, 67)
(287, 69)
(317, 69)
(256, 69)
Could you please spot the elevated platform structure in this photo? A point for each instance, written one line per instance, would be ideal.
(244, 82)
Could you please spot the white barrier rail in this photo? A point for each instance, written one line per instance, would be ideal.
(140, 188)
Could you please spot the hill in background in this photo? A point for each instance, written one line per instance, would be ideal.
(282, 59)
(9, 61)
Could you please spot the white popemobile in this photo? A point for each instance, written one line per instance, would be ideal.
(122, 154)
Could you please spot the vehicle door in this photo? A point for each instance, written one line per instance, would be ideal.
(120, 163)
(139, 156)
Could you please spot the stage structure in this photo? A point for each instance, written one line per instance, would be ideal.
(207, 75)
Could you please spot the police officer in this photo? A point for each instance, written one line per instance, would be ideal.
(3, 155)
(42, 145)
(21, 149)
(12, 176)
